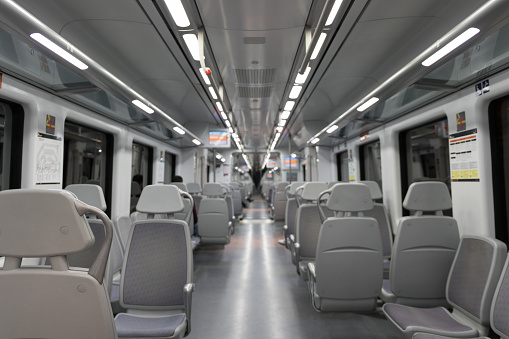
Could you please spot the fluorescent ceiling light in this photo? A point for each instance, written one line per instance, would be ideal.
(219, 106)
(230, 129)
(367, 104)
(315, 140)
(178, 13)
(224, 116)
(301, 78)
(333, 12)
(277, 136)
(294, 155)
(318, 46)
(223, 159)
(294, 93)
(218, 156)
(205, 76)
(192, 45)
(464, 37)
(289, 105)
(332, 129)
(58, 50)
(196, 142)
(285, 114)
(212, 92)
(279, 129)
(179, 130)
(227, 122)
(282, 123)
(143, 106)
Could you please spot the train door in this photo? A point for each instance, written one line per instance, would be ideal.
(88, 158)
(424, 155)
(370, 162)
(499, 132)
(11, 144)
(342, 166)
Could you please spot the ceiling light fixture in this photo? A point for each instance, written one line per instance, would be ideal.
(143, 106)
(196, 142)
(318, 46)
(205, 76)
(219, 106)
(179, 130)
(282, 123)
(333, 12)
(315, 141)
(301, 78)
(58, 50)
(285, 115)
(332, 129)
(213, 93)
(289, 105)
(461, 39)
(367, 104)
(178, 13)
(192, 45)
(227, 123)
(224, 116)
(294, 93)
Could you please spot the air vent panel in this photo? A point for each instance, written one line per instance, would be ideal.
(255, 92)
(255, 76)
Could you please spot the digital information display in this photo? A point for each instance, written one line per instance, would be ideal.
(218, 138)
(287, 162)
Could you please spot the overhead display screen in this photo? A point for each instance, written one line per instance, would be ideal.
(218, 138)
(293, 162)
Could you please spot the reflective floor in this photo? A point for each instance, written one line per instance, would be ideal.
(250, 289)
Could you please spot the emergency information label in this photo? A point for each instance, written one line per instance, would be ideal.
(464, 156)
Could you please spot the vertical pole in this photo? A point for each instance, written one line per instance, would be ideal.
(214, 164)
(290, 156)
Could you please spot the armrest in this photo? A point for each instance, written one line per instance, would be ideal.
(285, 227)
(297, 253)
(312, 271)
(292, 238)
(188, 298)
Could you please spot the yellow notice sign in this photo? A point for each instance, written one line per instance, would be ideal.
(464, 156)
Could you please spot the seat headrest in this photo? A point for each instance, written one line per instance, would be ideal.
(350, 197)
(427, 196)
(41, 223)
(135, 188)
(90, 194)
(235, 185)
(374, 189)
(281, 186)
(160, 199)
(332, 183)
(180, 185)
(312, 190)
(294, 186)
(212, 189)
(193, 187)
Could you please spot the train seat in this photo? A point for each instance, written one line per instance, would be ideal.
(51, 301)
(229, 203)
(348, 270)
(423, 249)
(123, 226)
(135, 194)
(308, 225)
(213, 224)
(290, 212)
(471, 284)
(379, 212)
(237, 200)
(194, 189)
(156, 285)
(279, 205)
(188, 206)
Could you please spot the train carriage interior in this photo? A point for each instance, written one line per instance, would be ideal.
(254, 169)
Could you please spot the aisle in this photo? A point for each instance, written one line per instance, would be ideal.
(250, 289)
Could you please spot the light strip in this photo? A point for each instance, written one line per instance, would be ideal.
(228, 123)
(58, 50)
(179, 130)
(205, 76)
(332, 129)
(333, 12)
(282, 123)
(213, 93)
(143, 106)
(224, 116)
(461, 39)
(230, 129)
(294, 93)
(196, 142)
(301, 78)
(192, 45)
(285, 115)
(367, 104)
(177, 12)
(318, 46)
(218, 156)
(289, 105)
(219, 106)
(315, 141)
(279, 129)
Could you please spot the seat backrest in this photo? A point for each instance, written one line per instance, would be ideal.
(213, 218)
(308, 220)
(499, 315)
(474, 275)
(349, 260)
(193, 188)
(158, 259)
(63, 293)
(181, 186)
(279, 202)
(291, 207)
(123, 226)
(379, 212)
(424, 246)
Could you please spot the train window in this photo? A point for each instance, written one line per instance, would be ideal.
(342, 166)
(11, 144)
(424, 153)
(141, 164)
(499, 131)
(370, 161)
(88, 157)
(170, 161)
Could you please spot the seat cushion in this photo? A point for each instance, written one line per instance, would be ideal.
(435, 336)
(435, 320)
(132, 326)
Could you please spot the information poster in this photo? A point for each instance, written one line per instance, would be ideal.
(160, 171)
(48, 160)
(464, 156)
(351, 168)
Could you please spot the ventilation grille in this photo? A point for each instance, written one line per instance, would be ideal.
(254, 92)
(255, 76)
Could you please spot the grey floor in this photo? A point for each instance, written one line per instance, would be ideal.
(250, 289)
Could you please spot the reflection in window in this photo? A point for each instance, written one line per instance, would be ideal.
(342, 165)
(371, 162)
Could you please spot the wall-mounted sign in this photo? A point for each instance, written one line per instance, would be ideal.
(461, 122)
(464, 156)
(482, 87)
(48, 154)
(50, 124)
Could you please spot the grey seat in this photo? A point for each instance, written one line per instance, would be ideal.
(237, 200)
(194, 189)
(229, 203)
(213, 223)
(156, 285)
(51, 301)
(423, 250)
(123, 226)
(290, 212)
(470, 288)
(308, 225)
(348, 270)
(279, 205)
(187, 213)
(379, 212)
